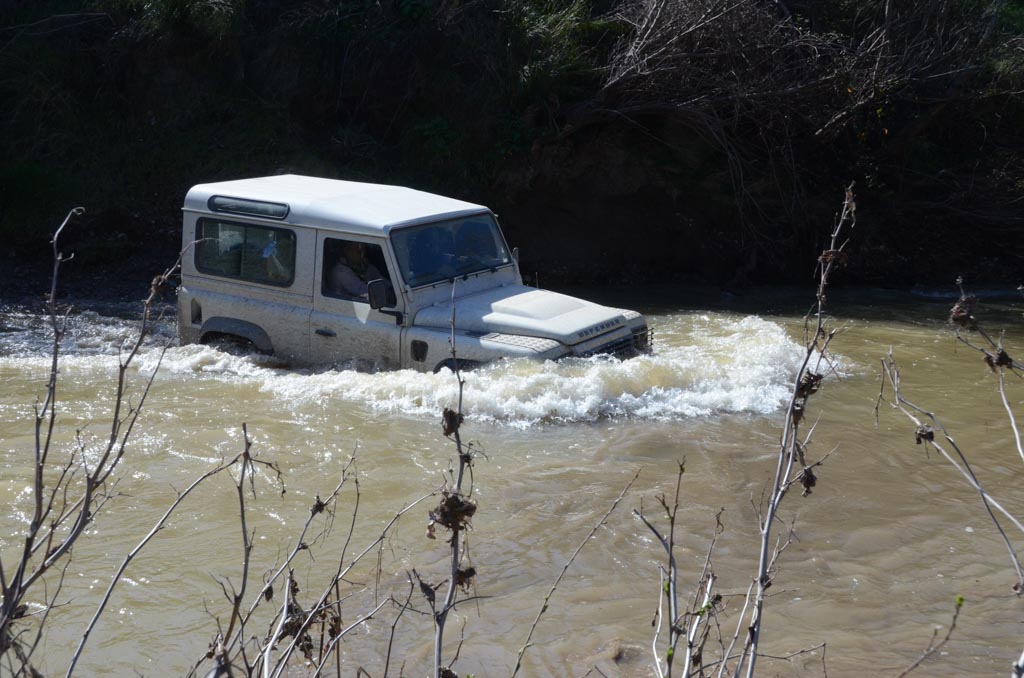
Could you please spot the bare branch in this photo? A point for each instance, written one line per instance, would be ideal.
(934, 647)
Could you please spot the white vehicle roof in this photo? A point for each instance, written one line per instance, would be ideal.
(332, 204)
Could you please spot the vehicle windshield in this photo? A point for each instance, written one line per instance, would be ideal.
(433, 252)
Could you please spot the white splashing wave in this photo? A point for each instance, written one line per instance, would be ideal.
(701, 365)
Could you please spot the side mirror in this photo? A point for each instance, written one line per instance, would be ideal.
(515, 255)
(381, 294)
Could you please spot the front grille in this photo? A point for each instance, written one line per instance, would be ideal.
(643, 339)
(624, 345)
(620, 348)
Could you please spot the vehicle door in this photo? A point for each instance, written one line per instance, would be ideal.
(255, 276)
(343, 328)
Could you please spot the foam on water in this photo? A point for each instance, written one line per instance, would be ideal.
(702, 364)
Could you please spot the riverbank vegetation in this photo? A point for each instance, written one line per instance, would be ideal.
(705, 130)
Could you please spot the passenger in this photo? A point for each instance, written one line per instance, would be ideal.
(349, 277)
(276, 271)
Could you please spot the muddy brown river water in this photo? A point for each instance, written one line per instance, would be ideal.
(887, 541)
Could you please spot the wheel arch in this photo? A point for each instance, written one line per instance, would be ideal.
(463, 364)
(238, 328)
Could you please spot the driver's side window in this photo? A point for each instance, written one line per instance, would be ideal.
(349, 266)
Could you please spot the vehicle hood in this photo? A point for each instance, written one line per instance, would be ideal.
(517, 309)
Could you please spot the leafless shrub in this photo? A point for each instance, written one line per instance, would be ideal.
(930, 431)
(453, 514)
(763, 80)
(792, 465)
(695, 623)
(69, 487)
(293, 632)
(245, 464)
(755, 62)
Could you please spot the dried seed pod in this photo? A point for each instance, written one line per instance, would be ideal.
(808, 480)
(808, 384)
(450, 422)
(464, 576)
(454, 512)
(962, 313)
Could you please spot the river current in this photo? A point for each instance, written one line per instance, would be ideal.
(886, 542)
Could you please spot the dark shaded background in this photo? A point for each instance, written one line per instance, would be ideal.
(723, 163)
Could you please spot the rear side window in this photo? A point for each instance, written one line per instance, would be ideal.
(259, 254)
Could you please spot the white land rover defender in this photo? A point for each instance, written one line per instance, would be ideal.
(325, 271)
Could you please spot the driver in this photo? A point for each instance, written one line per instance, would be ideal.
(353, 271)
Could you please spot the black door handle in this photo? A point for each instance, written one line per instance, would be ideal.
(326, 333)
